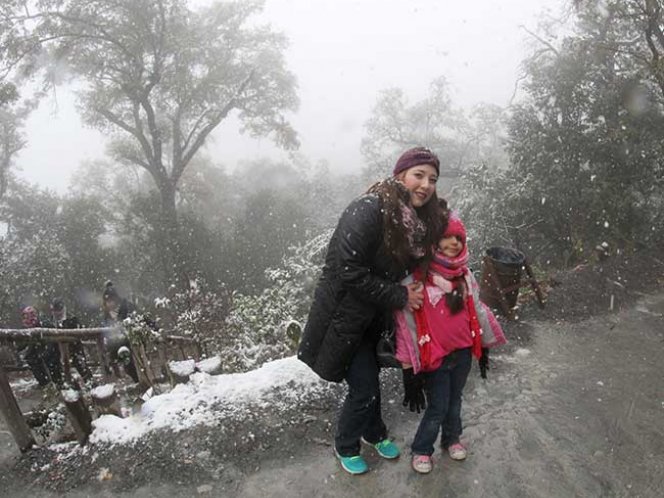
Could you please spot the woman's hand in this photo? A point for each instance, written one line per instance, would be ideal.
(415, 296)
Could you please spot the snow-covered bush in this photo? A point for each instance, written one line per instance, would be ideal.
(198, 313)
(265, 327)
(140, 329)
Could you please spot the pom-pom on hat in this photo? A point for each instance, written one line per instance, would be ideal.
(415, 157)
(455, 227)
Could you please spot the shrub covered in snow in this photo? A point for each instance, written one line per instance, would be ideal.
(264, 327)
(198, 313)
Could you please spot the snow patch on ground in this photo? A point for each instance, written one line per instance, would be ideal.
(182, 368)
(103, 392)
(70, 395)
(23, 385)
(206, 399)
(209, 365)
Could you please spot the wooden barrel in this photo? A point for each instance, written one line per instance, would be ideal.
(505, 264)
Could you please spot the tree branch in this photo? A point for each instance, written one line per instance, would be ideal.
(540, 39)
(116, 120)
(214, 122)
(155, 133)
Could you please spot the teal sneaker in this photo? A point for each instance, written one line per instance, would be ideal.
(353, 464)
(385, 448)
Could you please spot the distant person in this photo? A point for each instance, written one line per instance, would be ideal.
(60, 320)
(114, 310)
(380, 236)
(42, 357)
(435, 345)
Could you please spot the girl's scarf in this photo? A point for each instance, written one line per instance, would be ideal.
(442, 270)
(450, 268)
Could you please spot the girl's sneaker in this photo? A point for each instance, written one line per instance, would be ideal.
(457, 451)
(422, 464)
(352, 464)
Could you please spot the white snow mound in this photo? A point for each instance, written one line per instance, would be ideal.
(182, 368)
(206, 399)
(103, 392)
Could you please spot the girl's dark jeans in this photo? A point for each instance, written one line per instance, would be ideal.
(360, 414)
(443, 388)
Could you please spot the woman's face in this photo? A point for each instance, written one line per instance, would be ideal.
(420, 181)
(450, 246)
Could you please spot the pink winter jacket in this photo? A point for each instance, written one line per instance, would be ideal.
(451, 332)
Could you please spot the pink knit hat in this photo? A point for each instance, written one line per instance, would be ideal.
(455, 227)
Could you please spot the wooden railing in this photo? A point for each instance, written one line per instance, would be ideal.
(9, 407)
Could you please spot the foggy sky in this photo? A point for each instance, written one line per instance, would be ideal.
(343, 53)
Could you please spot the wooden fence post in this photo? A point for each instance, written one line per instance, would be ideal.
(66, 363)
(12, 413)
(105, 400)
(534, 284)
(163, 359)
(142, 363)
(103, 359)
(79, 416)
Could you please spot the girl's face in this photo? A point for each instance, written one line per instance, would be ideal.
(450, 246)
(420, 181)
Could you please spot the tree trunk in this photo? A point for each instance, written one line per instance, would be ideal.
(172, 260)
(13, 417)
(79, 416)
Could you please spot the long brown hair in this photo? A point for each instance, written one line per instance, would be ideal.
(395, 239)
(443, 213)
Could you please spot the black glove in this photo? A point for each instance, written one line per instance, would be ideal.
(484, 362)
(70, 323)
(413, 386)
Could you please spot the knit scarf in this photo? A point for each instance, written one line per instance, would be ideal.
(442, 270)
(450, 268)
(415, 229)
(405, 219)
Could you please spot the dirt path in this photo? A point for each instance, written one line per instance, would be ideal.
(578, 412)
(575, 410)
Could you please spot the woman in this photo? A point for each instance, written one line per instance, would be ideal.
(380, 236)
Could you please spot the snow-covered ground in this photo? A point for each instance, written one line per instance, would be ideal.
(570, 409)
(206, 399)
(23, 385)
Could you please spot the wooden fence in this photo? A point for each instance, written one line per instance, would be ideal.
(79, 415)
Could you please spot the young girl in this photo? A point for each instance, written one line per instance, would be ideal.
(436, 343)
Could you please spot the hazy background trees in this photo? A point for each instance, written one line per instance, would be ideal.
(585, 142)
(575, 161)
(160, 77)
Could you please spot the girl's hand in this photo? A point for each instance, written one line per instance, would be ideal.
(413, 387)
(415, 296)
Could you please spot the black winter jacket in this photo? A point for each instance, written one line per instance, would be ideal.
(357, 291)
